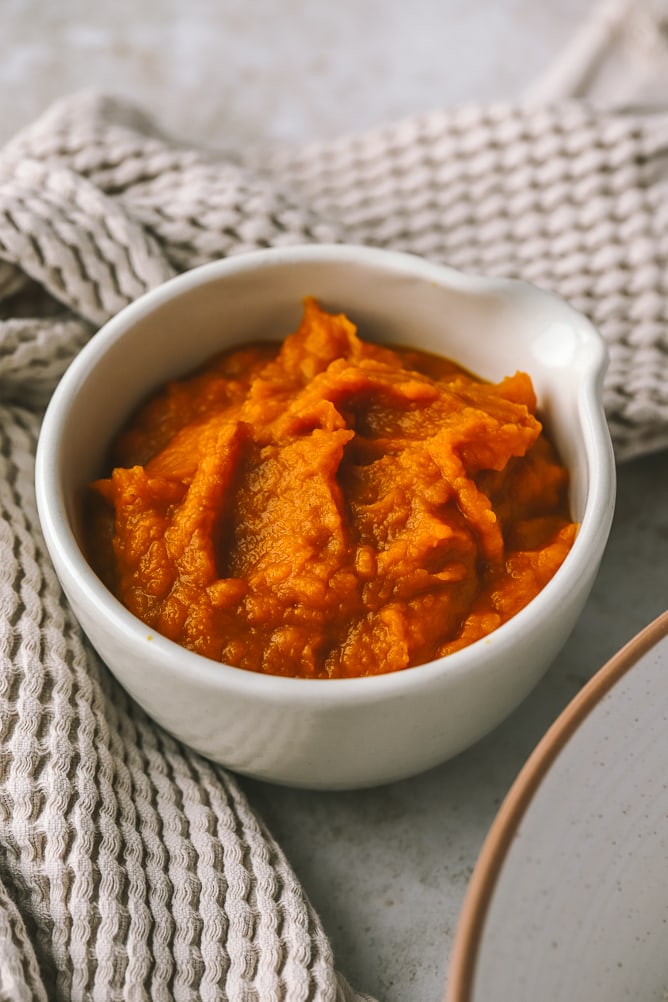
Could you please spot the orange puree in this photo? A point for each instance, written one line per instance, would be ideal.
(329, 507)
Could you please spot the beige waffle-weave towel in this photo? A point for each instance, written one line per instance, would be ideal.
(130, 868)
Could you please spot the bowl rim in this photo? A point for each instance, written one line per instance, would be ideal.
(587, 548)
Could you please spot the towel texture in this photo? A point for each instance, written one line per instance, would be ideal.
(131, 868)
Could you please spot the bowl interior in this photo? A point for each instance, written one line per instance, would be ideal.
(492, 328)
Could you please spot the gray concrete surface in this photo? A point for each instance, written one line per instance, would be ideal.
(388, 868)
(252, 71)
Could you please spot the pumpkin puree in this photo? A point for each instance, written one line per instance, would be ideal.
(330, 507)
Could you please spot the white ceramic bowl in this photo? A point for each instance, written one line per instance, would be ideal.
(568, 899)
(337, 732)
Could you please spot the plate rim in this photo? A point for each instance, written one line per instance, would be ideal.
(504, 827)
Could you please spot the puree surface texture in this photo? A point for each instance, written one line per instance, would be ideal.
(327, 507)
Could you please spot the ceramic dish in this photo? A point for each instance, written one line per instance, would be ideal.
(569, 899)
(331, 732)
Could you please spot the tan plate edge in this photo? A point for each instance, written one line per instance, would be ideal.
(509, 816)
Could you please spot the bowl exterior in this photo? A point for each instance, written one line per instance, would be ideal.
(333, 733)
(358, 734)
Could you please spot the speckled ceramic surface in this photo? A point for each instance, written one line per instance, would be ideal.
(569, 901)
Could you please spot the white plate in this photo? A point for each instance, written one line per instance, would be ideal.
(569, 898)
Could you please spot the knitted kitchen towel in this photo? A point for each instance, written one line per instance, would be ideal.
(130, 867)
